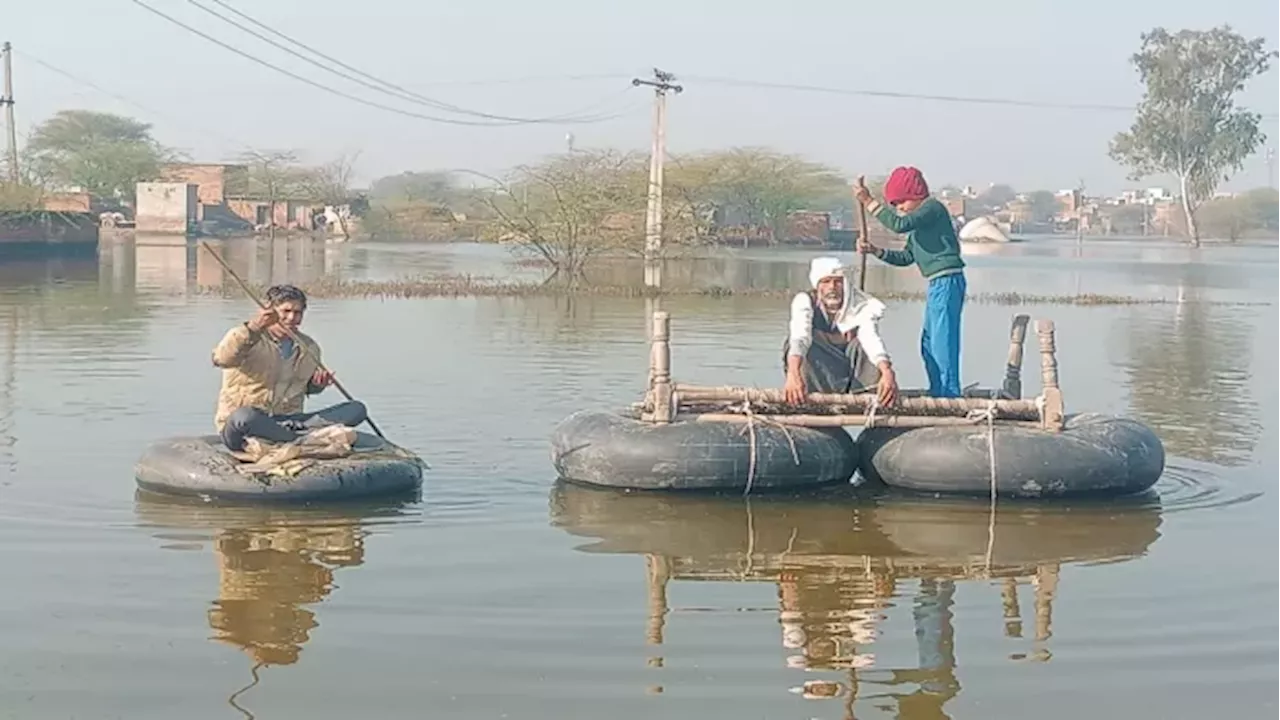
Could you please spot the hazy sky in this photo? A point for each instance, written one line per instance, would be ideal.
(210, 101)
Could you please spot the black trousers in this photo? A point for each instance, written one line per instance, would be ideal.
(250, 422)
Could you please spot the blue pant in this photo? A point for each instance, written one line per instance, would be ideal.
(940, 338)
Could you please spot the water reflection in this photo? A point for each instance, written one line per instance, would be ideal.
(1188, 373)
(841, 561)
(8, 384)
(274, 565)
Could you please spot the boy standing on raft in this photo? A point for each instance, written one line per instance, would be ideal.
(265, 377)
(933, 247)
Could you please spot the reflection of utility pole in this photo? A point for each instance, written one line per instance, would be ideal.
(7, 101)
(661, 83)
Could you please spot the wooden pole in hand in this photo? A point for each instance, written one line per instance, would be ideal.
(862, 236)
(862, 266)
(289, 332)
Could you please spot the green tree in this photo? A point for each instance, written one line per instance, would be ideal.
(995, 198)
(105, 154)
(1187, 123)
(1262, 207)
(1044, 206)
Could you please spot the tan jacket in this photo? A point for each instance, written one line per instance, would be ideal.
(254, 374)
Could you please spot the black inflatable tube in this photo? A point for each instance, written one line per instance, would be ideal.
(202, 466)
(614, 450)
(1094, 455)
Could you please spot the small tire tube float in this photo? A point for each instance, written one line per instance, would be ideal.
(203, 466)
(1093, 455)
(621, 451)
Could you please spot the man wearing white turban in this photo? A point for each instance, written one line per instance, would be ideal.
(828, 324)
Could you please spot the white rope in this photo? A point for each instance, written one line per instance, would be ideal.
(989, 414)
(750, 429)
(871, 412)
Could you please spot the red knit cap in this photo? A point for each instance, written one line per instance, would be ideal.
(905, 183)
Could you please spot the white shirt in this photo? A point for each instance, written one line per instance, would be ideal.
(864, 315)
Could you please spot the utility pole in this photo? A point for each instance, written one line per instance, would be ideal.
(7, 101)
(1271, 168)
(661, 83)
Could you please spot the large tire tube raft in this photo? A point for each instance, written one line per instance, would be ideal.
(1093, 455)
(202, 466)
(616, 450)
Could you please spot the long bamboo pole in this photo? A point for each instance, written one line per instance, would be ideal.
(301, 345)
(1013, 409)
(900, 421)
(862, 235)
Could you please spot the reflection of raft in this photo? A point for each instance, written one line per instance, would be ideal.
(988, 441)
(710, 537)
(203, 466)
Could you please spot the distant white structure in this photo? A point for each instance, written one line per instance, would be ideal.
(982, 229)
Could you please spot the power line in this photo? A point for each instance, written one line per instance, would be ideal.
(116, 96)
(717, 80)
(377, 84)
(313, 83)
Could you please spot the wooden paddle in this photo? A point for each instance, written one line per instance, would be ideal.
(302, 346)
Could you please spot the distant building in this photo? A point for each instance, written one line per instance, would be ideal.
(214, 182)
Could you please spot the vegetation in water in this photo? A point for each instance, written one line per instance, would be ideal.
(571, 208)
(438, 286)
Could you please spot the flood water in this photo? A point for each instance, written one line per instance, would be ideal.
(500, 593)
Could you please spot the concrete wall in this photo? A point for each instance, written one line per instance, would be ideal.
(166, 208)
(288, 213)
(211, 179)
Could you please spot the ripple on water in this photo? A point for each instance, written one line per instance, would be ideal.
(1187, 485)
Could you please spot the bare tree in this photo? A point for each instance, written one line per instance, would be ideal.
(330, 184)
(578, 206)
(274, 175)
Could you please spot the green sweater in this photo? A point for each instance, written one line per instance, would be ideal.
(931, 238)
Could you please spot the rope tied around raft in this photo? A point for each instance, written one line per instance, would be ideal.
(750, 429)
(871, 413)
(989, 415)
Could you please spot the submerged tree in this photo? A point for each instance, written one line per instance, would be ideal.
(274, 175)
(330, 184)
(756, 187)
(1187, 123)
(577, 206)
(105, 154)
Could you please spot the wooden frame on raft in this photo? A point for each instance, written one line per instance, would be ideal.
(666, 399)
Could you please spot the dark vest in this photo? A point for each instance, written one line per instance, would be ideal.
(820, 321)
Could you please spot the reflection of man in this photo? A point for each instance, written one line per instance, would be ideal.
(266, 575)
(829, 617)
(825, 323)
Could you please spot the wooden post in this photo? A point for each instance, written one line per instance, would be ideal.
(1013, 368)
(1051, 417)
(664, 406)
